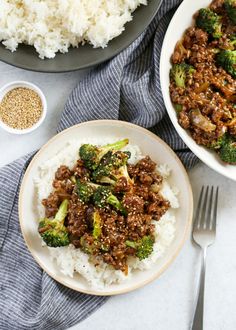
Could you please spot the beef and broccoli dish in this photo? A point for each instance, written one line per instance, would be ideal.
(202, 79)
(104, 205)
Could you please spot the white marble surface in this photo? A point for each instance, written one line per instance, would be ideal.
(167, 303)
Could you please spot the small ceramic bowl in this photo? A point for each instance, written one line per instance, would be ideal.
(15, 84)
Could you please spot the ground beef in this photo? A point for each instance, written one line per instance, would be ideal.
(133, 203)
(122, 185)
(180, 53)
(65, 187)
(140, 199)
(76, 219)
(142, 191)
(184, 120)
(146, 164)
(51, 204)
(63, 172)
(80, 171)
(139, 225)
(210, 89)
(145, 178)
(217, 5)
(194, 36)
(232, 128)
(132, 170)
(158, 208)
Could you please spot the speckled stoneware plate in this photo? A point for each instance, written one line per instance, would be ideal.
(151, 145)
(183, 19)
(84, 56)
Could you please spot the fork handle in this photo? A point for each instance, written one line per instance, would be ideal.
(197, 323)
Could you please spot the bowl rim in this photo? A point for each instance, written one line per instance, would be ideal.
(184, 135)
(21, 83)
(187, 225)
(96, 61)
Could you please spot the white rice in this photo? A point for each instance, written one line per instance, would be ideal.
(55, 25)
(71, 260)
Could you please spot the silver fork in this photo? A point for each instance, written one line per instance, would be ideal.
(204, 232)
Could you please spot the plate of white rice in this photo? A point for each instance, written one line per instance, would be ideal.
(74, 268)
(59, 36)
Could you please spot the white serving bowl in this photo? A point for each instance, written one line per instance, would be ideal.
(151, 145)
(179, 23)
(15, 84)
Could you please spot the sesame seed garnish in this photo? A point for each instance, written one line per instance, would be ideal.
(21, 108)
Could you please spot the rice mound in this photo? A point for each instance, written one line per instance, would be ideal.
(55, 25)
(71, 260)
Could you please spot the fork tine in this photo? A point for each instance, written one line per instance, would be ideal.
(215, 209)
(199, 204)
(204, 208)
(209, 217)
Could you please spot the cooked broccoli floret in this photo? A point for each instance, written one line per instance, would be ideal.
(178, 107)
(232, 41)
(210, 22)
(120, 173)
(91, 155)
(91, 244)
(216, 144)
(111, 177)
(227, 60)
(230, 6)
(85, 190)
(103, 196)
(96, 225)
(111, 161)
(179, 73)
(73, 179)
(143, 247)
(228, 150)
(53, 231)
(229, 45)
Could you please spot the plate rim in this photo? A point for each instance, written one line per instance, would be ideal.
(171, 259)
(97, 61)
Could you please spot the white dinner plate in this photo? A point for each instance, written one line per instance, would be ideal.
(151, 145)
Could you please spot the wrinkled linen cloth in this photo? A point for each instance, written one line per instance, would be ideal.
(126, 88)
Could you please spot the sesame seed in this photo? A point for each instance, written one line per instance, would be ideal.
(21, 108)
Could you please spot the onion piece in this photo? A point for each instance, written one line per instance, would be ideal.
(198, 120)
